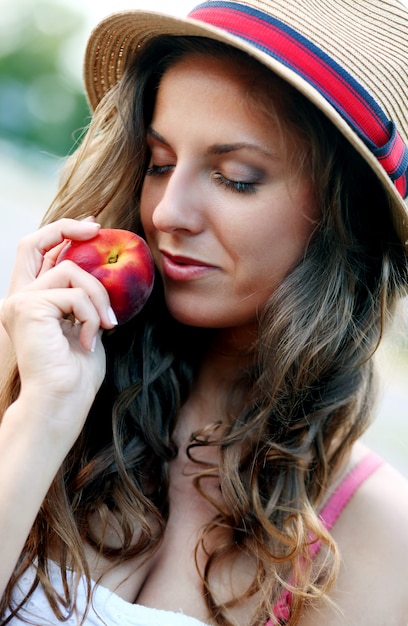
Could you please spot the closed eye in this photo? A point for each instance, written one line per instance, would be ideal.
(157, 170)
(237, 186)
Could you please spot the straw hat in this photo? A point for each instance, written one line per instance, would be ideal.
(349, 57)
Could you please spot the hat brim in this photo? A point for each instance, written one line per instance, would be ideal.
(116, 40)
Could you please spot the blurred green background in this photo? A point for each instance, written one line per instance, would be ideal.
(43, 112)
(41, 99)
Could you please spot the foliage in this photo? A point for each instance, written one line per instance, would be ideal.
(42, 104)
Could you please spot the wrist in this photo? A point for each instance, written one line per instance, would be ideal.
(44, 420)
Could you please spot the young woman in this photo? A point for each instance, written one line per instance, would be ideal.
(200, 464)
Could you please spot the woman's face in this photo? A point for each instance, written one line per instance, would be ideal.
(225, 215)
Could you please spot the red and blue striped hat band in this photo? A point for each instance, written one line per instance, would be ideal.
(349, 98)
(349, 57)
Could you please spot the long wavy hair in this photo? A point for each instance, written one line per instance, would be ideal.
(292, 416)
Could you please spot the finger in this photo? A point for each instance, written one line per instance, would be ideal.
(75, 301)
(43, 309)
(69, 275)
(33, 248)
(50, 257)
(54, 233)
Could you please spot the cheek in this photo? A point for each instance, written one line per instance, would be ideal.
(282, 242)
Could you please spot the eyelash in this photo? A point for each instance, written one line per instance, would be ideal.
(157, 170)
(236, 186)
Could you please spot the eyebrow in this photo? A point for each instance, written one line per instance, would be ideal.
(223, 148)
(156, 135)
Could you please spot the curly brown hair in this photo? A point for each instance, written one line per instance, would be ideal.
(293, 415)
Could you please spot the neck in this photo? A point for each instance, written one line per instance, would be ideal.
(220, 371)
(224, 363)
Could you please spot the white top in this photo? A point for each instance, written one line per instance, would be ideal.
(106, 608)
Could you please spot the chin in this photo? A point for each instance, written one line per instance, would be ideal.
(197, 316)
(192, 318)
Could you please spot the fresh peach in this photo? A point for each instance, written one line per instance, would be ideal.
(122, 261)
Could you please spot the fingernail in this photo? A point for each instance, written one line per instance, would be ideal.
(93, 345)
(112, 317)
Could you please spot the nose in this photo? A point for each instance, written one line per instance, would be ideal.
(181, 204)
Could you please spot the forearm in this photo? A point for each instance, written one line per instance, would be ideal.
(31, 452)
(61, 367)
(6, 352)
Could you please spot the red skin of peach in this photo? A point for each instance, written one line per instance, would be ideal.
(122, 261)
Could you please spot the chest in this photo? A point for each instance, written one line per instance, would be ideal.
(170, 579)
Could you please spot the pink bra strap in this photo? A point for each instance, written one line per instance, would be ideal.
(330, 514)
(347, 488)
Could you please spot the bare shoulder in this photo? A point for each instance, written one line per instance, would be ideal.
(372, 536)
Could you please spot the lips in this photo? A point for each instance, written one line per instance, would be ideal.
(182, 260)
(183, 268)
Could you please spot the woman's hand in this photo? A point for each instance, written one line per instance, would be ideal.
(53, 315)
